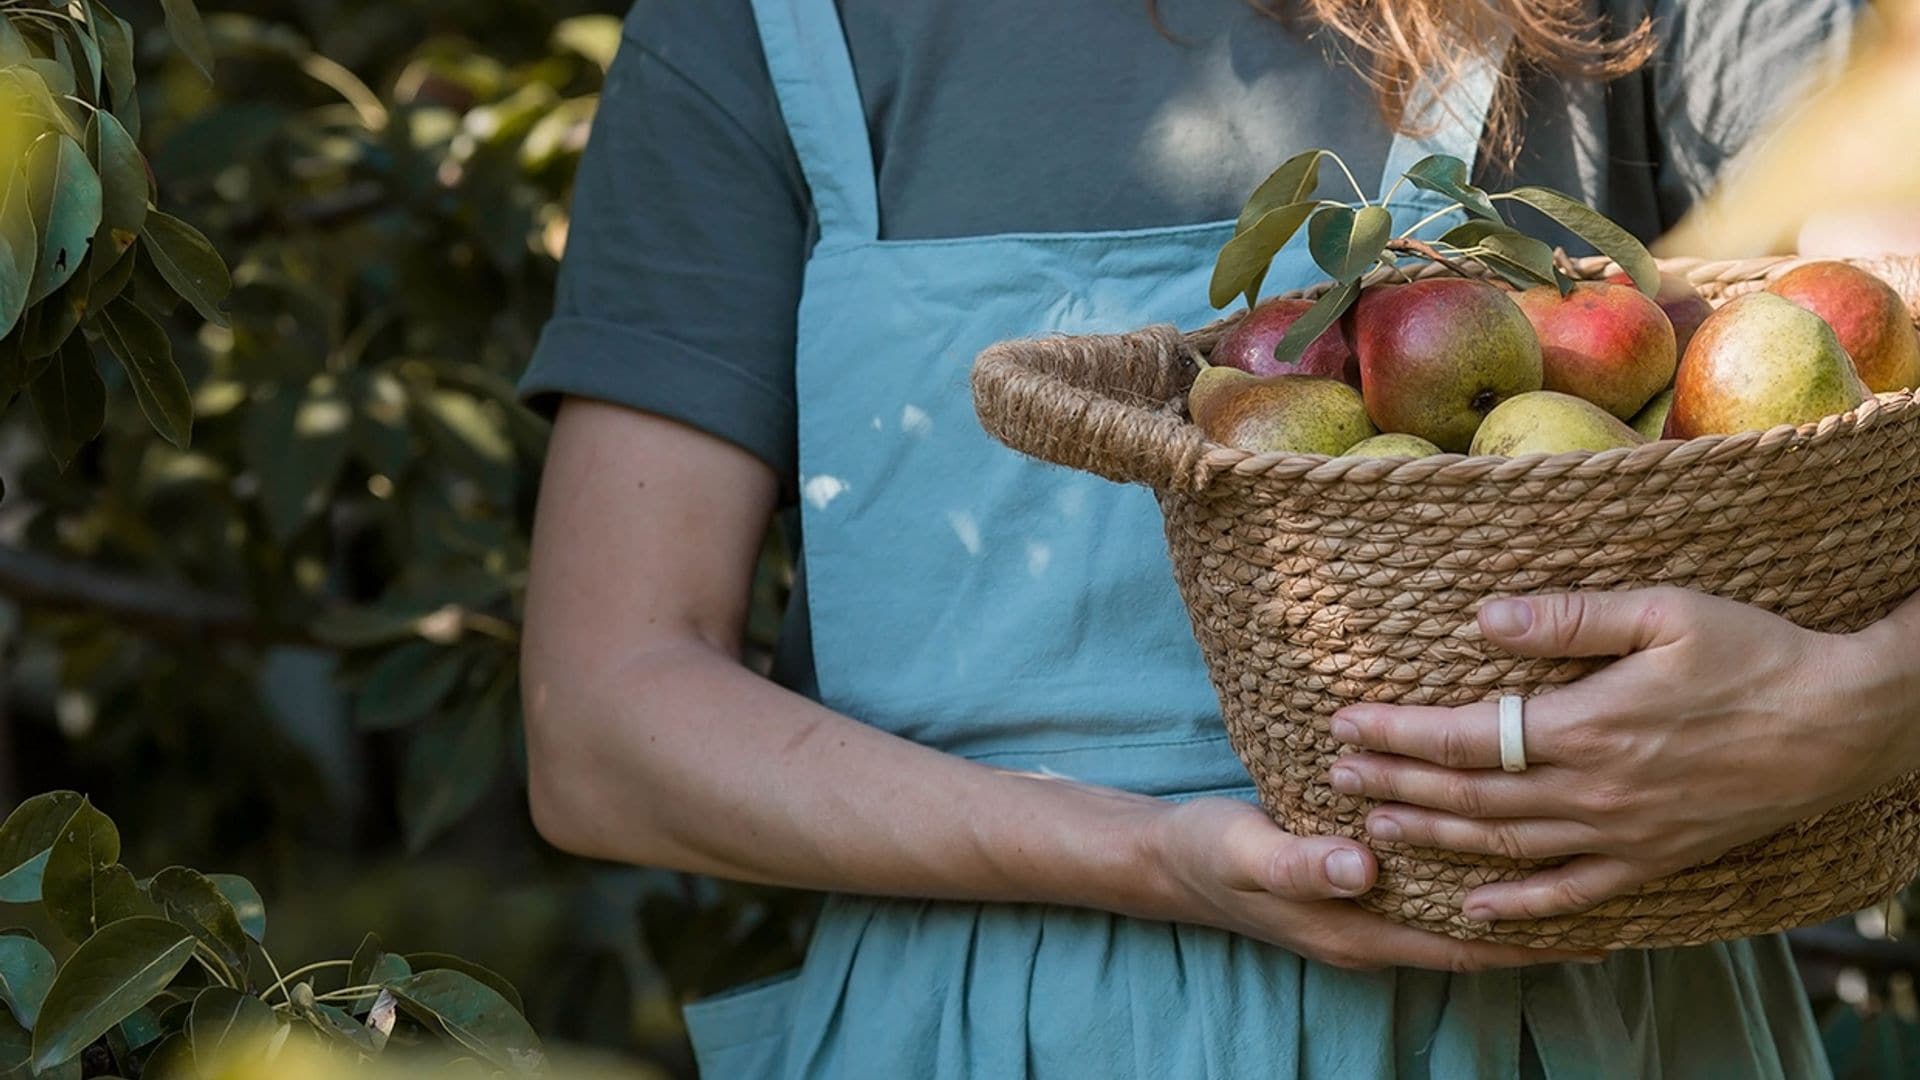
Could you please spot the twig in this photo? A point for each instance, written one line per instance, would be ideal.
(1427, 251)
(40, 581)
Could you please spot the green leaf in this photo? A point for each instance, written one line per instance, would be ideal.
(110, 975)
(191, 900)
(26, 970)
(339, 1027)
(363, 627)
(450, 764)
(1309, 326)
(142, 348)
(246, 903)
(25, 838)
(189, 35)
(1294, 181)
(110, 282)
(407, 683)
(1447, 176)
(83, 53)
(596, 37)
(172, 1060)
(63, 195)
(16, 1046)
(373, 966)
(226, 1024)
(123, 185)
(296, 444)
(13, 287)
(48, 325)
(471, 1014)
(22, 246)
(1595, 228)
(438, 961)
(142, 1028)
(1243, 260)
(188, 262)
(1346, 243)
(13, 47)
(116, 52)
(77, 871)
(55, 76)
(32, 97)
(69, 400)
(1514, 255)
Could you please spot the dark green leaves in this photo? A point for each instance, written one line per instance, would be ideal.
(471, 1014)
(450, 765)
(1515, 256)
(189, 34)
(63, 194)
(110, 975)
(26, 970)
(433, 961)
(1347, 243)
(189, 263)
(1243, 262)
(143, 349)
(246, 903)
(1447, 176)
(407, 683)
(69, 400)
(226, 1023)
(79, 874)
(123, 185)
(1595, 228)
(296, 443)
(190, 900)
(1293, 182)
(25, 838)
(1307, 328)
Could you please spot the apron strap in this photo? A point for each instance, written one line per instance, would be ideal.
(1459, 116)
(812, 70)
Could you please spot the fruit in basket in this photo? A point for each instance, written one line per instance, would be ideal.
(1249, 345)
(1392, 445)
(1298, 414)
(1652, 420)
(1438, 354)
(1605, 343)
(1871, 321)
(1685, 308)
(1549, 422)
(1761, 360)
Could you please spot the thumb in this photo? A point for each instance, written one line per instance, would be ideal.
(1585, 624)
(1314, 868)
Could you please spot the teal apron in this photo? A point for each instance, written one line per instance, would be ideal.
(1025, 616)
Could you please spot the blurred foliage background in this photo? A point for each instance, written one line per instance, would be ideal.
(288, 651)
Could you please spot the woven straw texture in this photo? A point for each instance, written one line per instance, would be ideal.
(1314, 583)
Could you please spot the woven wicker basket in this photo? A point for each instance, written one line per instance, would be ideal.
(1315, 583)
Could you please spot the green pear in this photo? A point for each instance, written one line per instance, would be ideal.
(1759, 361)
(1549, 422)
(1650, 421)
(1294, 414)
(1393, 445)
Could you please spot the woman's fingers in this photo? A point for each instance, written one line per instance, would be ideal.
(1522, 838)
(1361, 940)
(1474, 793)
(1564, 890)
(1464, 738)
(1310, 868)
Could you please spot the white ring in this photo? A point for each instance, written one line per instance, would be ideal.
(1513, 739)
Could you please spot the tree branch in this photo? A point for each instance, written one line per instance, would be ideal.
(40, 581)
(1427, 251)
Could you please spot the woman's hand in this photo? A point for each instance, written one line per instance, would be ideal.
(1721, 724)
(1223, 863)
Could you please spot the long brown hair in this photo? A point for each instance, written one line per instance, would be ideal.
(1396, 44)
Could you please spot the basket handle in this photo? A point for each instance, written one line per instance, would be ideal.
(1094, 403)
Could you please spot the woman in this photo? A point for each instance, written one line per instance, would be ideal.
(989, 733)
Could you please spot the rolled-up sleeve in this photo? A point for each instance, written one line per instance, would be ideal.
(687, 240)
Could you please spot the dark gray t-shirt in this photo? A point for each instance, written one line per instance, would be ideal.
(691, 220)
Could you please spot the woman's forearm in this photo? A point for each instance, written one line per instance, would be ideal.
(682, 758)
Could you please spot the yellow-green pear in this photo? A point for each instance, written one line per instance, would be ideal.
(1650, 421)
(1393, 445)
(1296, 414)
(1547, 422)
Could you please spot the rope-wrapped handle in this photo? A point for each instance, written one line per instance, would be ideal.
(1094, 403)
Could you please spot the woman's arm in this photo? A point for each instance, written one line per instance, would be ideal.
(1720, 724)
(650, 743)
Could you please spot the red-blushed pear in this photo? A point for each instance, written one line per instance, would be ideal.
(1548, 422)
(1438, 354)
(1605, 343)
(1652, 420)
(1871, 321)
(1249, 345)
(1686, 309)
(1761, 361)
(1297, 414)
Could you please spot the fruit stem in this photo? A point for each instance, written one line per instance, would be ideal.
(1426, 251)
(1430, 219)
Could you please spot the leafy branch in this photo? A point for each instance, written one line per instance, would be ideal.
(1348, 241)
